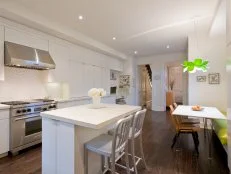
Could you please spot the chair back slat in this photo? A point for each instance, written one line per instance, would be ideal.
(175, 105)
(174, 119)
(120, 137)
(138, 122)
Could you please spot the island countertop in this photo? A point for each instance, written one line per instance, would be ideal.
(86, 116)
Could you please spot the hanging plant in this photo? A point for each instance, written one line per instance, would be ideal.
(197, 65)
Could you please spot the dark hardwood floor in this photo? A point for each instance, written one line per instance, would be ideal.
(161, 159)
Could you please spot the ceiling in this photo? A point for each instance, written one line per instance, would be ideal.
(146, 26)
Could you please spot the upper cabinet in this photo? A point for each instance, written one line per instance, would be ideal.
(60, 55)
(26, 39)
(1, 53)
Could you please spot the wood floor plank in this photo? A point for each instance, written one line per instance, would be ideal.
(161, 159)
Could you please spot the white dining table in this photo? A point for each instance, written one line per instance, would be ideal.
(208, 113)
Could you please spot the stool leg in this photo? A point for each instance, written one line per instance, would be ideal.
(127, 159)
(102, 163)
(113, 164)
(133, 155)
(142, 152)
(85, 160)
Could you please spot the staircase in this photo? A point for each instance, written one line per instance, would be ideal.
(149, 70)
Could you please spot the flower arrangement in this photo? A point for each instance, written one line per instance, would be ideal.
(96, 92)
(197, 64)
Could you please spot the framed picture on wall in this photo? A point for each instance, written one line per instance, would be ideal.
(113, 75)
(214, 78)
(201, 78)
(124, 81)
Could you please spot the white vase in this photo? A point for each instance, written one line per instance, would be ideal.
(96, 101)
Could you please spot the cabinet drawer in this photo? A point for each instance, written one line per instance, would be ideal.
(4, 114)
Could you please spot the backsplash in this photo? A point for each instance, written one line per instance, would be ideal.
(23, 84)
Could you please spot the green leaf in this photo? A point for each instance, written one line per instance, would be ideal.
(198, 62)
(185, 63)
(205, 62)
(191, 67)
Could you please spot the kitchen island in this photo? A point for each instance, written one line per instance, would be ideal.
(66, 130)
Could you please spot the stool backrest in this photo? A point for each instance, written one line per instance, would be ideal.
(138, 121)
(121, 134)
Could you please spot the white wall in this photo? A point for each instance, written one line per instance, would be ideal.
(130, 69)
(158, 65)
(210, 46)
(80, 67)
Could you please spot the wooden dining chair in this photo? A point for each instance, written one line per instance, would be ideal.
(180, 128)
(186, 120)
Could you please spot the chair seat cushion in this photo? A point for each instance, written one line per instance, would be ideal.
(101, 145)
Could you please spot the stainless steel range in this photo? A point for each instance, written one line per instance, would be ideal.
(26, 123)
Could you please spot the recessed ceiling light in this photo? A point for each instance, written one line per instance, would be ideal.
(114, 38)
(168, 46)
(135, 52)
(80, 17)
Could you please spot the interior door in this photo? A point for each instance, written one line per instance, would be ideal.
(175, 74)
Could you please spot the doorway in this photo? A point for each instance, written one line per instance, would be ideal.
(175, 93)
(145, 86)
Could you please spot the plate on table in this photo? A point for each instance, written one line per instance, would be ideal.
(197, 108)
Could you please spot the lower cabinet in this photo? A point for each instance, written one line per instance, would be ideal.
(4, 132)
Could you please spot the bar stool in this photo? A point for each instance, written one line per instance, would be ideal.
(136, 132)
(108, 146)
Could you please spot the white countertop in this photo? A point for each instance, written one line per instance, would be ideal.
(92, 118)
(4, 106)
(78, 98)
(206, 112)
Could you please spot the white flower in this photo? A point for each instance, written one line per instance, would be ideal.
(94, 92)
(102, 92)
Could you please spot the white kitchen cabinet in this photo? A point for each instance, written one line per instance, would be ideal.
(77, 79)
(1, 53)
(89, 77)
(60, 55)
(26, 39)
(4, 132)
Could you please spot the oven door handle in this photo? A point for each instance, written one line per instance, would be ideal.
(24, 118)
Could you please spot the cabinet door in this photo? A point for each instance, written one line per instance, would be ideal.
(1, 53)
(60, 55)
(4, 136)
(77, 79)
(25, 38)
(88, 78)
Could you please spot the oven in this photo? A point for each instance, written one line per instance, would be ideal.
(26, 122)
(25, 130)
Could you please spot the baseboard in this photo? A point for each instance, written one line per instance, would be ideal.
(158, 108)
(3, 155)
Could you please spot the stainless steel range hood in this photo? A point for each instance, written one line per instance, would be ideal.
(26, 57)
